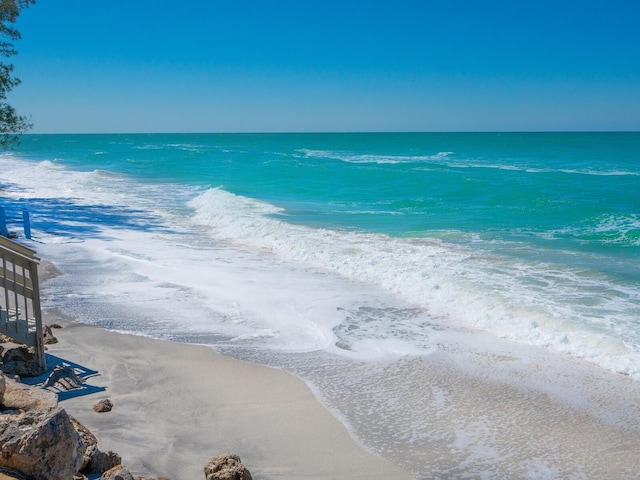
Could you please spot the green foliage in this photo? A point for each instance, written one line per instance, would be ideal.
(11, 124)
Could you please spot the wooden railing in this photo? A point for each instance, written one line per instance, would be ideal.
(20, 314)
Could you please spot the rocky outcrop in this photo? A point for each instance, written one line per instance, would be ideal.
(40, 443)
(88, 438)
(3, 388)
(94, 460)
(39, 440)
(99, 461)
(117, 473)
(21, 361)
(6, 474)
(226, 467)
(19, 397)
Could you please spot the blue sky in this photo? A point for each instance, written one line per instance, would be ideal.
(350, 65)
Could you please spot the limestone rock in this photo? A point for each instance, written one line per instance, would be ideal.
(18, 353)
(99, 461)
(117, 473)
(104, 405)
(95, 460)
(88, 440)
(48, 336)
(227, 466)
(21, 361)
(3, 388)
(41, 443)
(7, 474)
(19, 396)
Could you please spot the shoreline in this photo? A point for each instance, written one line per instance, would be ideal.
(499, 412)
(176, 405)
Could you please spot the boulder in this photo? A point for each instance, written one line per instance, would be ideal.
(21, 361)
(99, 461)
(6, 474)
(88, 438)
(104, 405)
(3, 388)
(94, 459)
(227, 466)
(117, 473)
(41, 443)
(19, 397)
(48, 337)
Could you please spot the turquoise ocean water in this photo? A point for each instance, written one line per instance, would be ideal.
(299, 250)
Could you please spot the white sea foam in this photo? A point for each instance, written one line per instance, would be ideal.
(227, 266)
(125, 245)
(449, 160)
(373, 158)
(620, 225)
(614, 229)
(187, 147)
(540, 304)
(473, 163)
(604, 173)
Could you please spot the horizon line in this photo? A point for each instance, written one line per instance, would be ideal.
(327, 132)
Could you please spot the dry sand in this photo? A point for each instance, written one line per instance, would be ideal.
(176, 405)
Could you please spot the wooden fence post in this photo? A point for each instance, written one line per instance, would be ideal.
(3, 223)
(26, 223)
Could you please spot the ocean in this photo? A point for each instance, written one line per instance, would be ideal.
(375, 266)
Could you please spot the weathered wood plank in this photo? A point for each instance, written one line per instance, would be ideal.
(20, 313)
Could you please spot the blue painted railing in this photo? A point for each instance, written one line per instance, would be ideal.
(26, 224)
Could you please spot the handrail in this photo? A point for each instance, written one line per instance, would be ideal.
(20, 312)
(18, 249)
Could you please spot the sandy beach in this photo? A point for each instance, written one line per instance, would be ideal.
(176, 405)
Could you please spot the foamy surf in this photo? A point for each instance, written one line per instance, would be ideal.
(537, 303)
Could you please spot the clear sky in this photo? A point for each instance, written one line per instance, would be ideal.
(326, 65)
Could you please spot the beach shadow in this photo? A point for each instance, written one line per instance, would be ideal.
(61, 388)
(67, 218)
